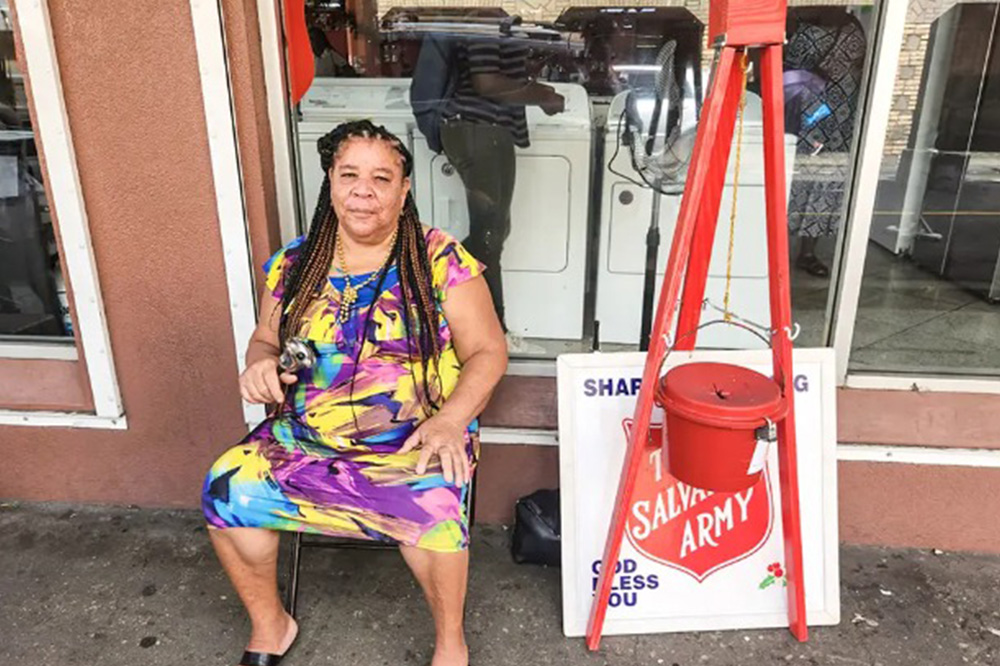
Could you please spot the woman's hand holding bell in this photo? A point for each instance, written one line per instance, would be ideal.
(261, 382)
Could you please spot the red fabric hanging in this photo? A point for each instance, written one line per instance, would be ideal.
(301, 65)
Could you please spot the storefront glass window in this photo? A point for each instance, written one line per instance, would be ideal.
(932, 275)
(32, 289)
(550, 138)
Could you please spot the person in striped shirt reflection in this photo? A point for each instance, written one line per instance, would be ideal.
(483, 122)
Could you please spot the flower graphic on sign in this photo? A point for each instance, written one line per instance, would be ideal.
(775, 574)
(689, 529)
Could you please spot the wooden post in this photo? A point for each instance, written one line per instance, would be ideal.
(781, 321)
(737, 25)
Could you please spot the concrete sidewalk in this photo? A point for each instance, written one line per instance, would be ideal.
(123, 587)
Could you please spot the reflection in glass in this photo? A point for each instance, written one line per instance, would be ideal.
(932, 275)
(555, 144)
(32, 289)
(823, 64)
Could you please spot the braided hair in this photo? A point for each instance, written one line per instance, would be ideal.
(309, 269)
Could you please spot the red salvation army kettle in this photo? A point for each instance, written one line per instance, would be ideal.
(720, 420)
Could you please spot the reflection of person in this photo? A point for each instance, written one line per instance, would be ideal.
(329, 62)
(378, 439)
(599, 57)
(823, 66)
(484, 121)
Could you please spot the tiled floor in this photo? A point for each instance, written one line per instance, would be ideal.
(908, 321)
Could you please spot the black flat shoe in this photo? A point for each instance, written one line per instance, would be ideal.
(812, 265)
(251, 658)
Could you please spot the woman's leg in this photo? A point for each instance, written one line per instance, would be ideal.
(443, 577)
(250, 557)
(807, 259)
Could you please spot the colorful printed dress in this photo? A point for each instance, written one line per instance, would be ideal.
(328, 462)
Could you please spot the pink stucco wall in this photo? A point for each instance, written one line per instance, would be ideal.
(133, 95)
(134, 99)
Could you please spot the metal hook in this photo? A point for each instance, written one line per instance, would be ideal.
(737, 324)
(793, 332)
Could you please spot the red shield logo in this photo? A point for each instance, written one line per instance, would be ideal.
(695, 531)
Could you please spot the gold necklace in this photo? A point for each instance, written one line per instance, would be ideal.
(349, 295)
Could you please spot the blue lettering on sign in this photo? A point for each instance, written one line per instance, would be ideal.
(627, 583)
(801, 384)
(611, 388)
(596, 387)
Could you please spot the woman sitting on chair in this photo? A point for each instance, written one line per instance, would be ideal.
(376, 440)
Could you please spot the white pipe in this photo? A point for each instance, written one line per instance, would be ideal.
(927, 131)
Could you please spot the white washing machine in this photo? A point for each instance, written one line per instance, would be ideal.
(331, 101)
(544, 259)
(625, 219)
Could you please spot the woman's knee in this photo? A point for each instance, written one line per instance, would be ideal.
(447, 536)
(254, 545)
(217, 486)
(231, 458)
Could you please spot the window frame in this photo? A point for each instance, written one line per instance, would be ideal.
(269, 13)
(92, 344)
(220, 121)
(883, 63)
(890, 28)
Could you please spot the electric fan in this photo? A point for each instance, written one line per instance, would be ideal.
(660, 140)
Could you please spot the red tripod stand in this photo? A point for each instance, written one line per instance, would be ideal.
(736, 26)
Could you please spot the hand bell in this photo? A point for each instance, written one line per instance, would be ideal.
(296, 355)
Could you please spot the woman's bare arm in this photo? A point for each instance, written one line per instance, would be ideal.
(261, 381)
(264, 341)
(481, 347)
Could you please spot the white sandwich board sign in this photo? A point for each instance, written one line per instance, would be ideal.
(691, 559)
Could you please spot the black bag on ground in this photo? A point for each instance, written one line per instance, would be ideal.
(536, 529)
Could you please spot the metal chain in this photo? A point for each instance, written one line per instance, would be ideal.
(727, 314)
(349, 294)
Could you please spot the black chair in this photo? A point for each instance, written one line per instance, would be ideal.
(299, 542)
